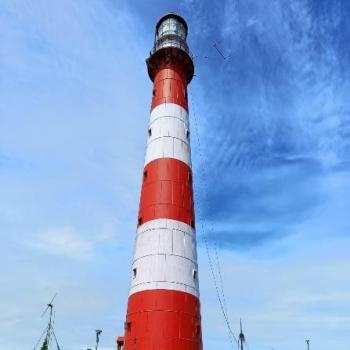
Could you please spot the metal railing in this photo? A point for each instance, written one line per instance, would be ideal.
(171, 40)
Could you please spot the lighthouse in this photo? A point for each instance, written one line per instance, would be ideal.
(163, 311)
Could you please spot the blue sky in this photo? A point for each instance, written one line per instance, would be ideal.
(270, 130)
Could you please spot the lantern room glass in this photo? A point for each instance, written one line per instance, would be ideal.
(171, 26)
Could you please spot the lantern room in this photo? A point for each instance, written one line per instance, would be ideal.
(171, 31)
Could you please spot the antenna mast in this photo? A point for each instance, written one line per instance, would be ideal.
(307, 341)
(241, 337)
(49, 331)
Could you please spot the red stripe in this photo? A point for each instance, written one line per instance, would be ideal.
(170, 87)
(163, 320)
(167, 191)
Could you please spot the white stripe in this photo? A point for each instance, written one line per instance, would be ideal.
(168, 134)
(165, 257)
(169, 109)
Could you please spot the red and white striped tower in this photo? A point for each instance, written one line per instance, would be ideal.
(163, 307)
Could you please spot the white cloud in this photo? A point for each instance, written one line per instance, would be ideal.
(65, 241)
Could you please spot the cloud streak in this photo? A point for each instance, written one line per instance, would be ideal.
(65, 242)
(278, 125)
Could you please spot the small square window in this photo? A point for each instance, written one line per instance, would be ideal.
(192, 223)
(190, 178)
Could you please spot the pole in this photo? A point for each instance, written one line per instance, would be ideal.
(48, 334)
(241, 335)
(98, 332)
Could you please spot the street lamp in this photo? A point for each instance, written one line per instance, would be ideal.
(98, 332)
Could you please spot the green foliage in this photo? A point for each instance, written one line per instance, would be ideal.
(45, 345)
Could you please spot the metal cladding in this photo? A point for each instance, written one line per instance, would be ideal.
(167, 192)
(163, 307)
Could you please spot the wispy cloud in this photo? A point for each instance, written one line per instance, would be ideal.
(278, 125)
(63, 241)
(272, 166)
(69, 177)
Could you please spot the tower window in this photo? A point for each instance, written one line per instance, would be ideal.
(149, 132)
(187, 133)
(194, 274)
(134, 272)
(140, 220)
(192, 223)
(190, 178)
(145, 174)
